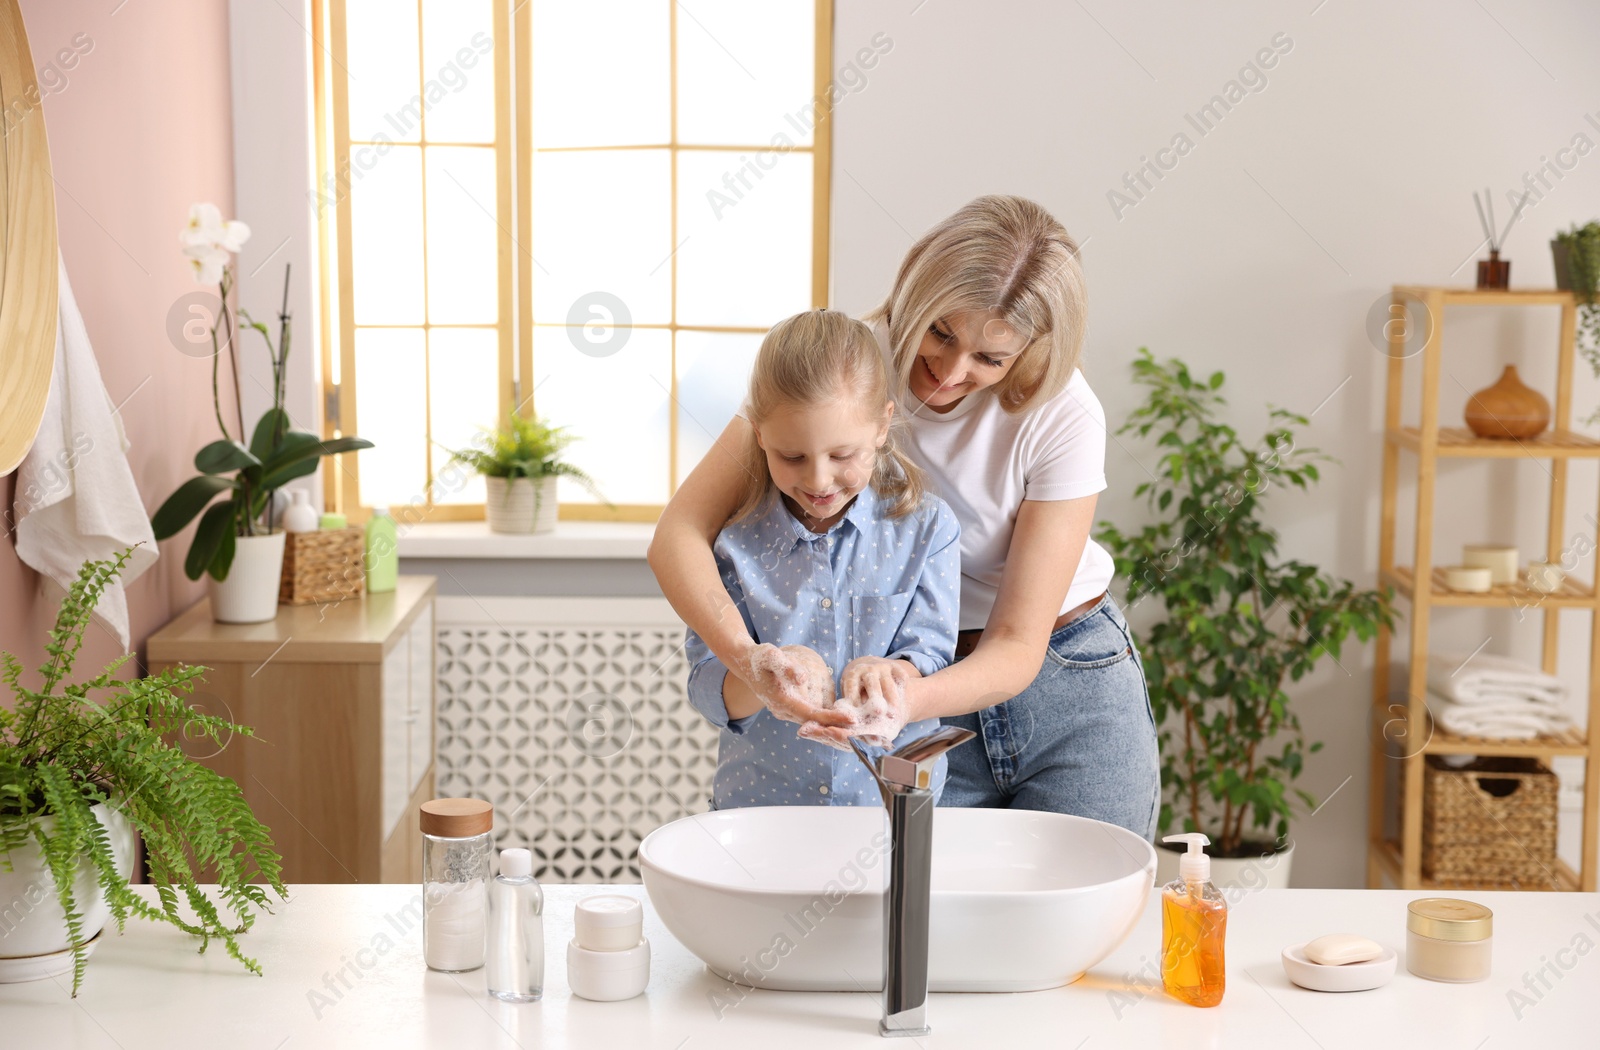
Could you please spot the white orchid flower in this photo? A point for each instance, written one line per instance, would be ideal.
(234, 234)
(207, 240)
(208, 263)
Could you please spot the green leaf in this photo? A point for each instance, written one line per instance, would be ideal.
(273, 421)
(302, 459)
(181, 507)
(293, 446)
(208, 540)
(224, 456)
(222, 561)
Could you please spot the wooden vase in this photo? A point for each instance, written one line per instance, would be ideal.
(1508, 409)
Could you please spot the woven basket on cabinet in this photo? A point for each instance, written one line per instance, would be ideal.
(327, 565)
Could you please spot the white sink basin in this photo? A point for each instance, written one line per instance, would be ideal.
(791, 897)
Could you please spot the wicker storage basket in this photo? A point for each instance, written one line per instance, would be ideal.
(1490, 821)
(323, 566)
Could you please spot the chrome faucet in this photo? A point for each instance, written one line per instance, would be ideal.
(905, 780)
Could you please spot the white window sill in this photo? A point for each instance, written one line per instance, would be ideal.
(571, 539)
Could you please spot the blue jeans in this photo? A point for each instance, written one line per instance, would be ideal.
(1080, 739)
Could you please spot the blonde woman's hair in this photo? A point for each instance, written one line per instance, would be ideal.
(817, 358)
(1008, 255)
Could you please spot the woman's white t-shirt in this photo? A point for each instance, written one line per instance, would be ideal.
(984, 461)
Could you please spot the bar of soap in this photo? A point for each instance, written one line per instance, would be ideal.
(1340, 949)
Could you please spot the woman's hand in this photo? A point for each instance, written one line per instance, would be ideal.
(875, 689)
(795, 684)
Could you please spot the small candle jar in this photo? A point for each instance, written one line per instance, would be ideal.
(1448, 940)
(1500, 560)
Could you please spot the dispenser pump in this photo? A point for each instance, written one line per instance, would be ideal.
(1193, 866)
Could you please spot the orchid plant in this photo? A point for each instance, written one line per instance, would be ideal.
(209, 243)
(276, 454)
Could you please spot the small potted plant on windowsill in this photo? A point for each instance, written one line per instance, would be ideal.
(1240, 623)
(86, 765)
(520, 463)
(237, 543)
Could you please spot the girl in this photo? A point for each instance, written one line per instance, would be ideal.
(983, 331)
(833, 553)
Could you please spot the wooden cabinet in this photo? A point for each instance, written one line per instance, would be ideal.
(341, 698)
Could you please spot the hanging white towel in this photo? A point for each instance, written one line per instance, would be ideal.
(1487, 679)
(76, 500)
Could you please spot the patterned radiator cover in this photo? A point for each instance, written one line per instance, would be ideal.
(570, 716)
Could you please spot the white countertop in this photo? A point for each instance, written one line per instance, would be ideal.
(149, 988)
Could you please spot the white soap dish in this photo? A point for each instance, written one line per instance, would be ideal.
(1351, 977)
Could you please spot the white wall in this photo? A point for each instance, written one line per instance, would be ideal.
(1262, 250)
(273, 158)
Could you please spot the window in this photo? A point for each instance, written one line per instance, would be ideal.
(588, 211)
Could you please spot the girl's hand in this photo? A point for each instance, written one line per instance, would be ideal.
(875, 676)
(795, 684)
(875, 689)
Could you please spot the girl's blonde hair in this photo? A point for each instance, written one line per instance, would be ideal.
(1005, 254)
(815, 358)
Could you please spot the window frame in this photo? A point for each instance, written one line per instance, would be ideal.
(513, 146)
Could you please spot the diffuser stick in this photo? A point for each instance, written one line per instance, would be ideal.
(1489, 201)
(1483, 220)
(1513, 220)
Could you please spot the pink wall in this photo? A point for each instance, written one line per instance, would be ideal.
(139, 130)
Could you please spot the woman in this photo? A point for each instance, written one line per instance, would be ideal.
(984, 328)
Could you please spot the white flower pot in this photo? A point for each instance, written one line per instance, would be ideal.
(1261, 871)
(250, 593)
(520, 505)
(34, 943)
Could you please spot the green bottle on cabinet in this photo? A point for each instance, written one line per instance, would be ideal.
(383, 552)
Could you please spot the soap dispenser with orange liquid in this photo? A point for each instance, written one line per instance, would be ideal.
(1194, 922)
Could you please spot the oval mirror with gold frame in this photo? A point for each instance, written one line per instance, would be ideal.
(28, 252)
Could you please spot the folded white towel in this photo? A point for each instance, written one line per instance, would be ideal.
(76, 500)
(1520, 720)
(1488, 679)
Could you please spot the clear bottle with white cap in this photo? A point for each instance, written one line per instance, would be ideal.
(1194, 923)
(514, 960)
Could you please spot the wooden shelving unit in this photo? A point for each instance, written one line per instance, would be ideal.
(1401, 860)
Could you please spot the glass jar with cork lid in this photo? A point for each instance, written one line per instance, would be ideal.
(456, 848)
(1448, 940)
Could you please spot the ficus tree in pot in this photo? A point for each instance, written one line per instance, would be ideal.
(1238, 621)
(67, 747)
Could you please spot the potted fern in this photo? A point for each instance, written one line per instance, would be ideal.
(1238, 621)
(520, 463)
(84, 766)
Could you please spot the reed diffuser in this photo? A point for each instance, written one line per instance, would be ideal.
(1495, 272)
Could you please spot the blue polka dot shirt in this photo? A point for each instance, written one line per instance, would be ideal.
(869, 586)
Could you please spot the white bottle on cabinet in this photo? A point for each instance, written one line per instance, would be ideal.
(301, 515)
